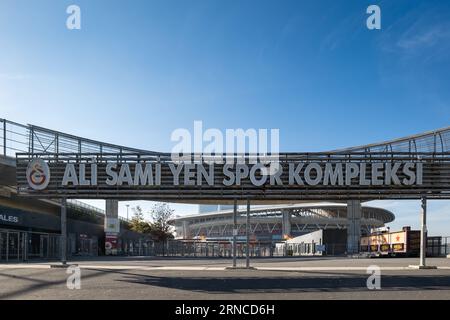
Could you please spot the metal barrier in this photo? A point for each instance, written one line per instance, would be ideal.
(445, 246)
(438, 246)
(16, 137)
(142, 247)
(209, 249)
(87, 208)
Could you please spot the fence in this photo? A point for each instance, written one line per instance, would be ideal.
(219, 249)
(438, 246)
(16, 137)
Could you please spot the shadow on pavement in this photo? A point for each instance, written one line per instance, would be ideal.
(333, 283)
(37, 284)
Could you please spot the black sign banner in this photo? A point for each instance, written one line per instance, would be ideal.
(309, 176)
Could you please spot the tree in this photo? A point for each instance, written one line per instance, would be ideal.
(138, 222)
(160, 214)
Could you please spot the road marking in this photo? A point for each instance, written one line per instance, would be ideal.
(327, 268)
(204, 268)
(178, 268)
(24, 266)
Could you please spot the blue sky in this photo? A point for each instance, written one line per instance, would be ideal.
(138, 70)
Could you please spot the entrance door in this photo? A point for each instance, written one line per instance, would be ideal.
(84, 247)
(43, 250)
(13, 246)
(54, 248)
(22, 246)
(2, 246)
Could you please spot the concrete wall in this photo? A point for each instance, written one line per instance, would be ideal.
(335, 241)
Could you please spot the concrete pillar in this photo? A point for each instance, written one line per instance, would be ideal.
(423, 238)
(423, 233)
(353, 226)
(63, 230)
(186, 230)
(247, 234)
(235, 231)
(112, 226)
(286, 224)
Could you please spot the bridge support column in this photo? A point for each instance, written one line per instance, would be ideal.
(423, 233)
(235, 233)
(112, 226)
(247, 234)
(64, 231)
(186, 230)
(286, 224)
(353, 226)
(423, 238)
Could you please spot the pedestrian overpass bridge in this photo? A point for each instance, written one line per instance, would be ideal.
(427, 153)
(432, 148)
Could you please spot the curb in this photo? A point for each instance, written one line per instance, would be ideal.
(423, 267)
(62, 266)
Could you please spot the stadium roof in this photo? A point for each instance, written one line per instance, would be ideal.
(274, 210)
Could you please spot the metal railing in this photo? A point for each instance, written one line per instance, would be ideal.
(438, 246)
(91, 209)
(209, 249)
(432, 141)
(16, 137)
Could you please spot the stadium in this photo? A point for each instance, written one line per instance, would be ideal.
(276, 222)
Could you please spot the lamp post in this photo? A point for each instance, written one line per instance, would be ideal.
(128, 206)
(423, 233)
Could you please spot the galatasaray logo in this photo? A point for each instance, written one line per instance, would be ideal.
(38, 174)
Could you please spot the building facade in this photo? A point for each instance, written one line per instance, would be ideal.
(31, 229)
(317, 243)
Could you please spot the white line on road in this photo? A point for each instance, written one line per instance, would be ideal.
(25, 266)
(204, 268)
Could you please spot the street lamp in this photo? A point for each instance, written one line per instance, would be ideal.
(127, 205)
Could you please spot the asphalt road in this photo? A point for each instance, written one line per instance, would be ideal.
(135, 279)
(257, 262)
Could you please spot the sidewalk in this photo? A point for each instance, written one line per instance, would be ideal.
(270, 264)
